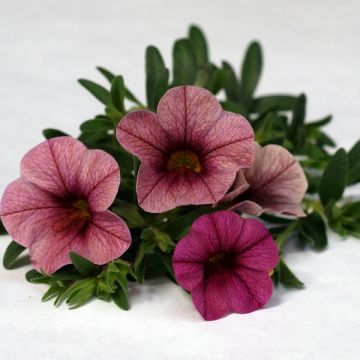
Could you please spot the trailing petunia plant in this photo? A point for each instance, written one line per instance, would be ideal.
(215, 180)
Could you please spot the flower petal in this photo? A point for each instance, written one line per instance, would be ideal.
(275, 178)
(223, 293)
(186, 112)
(98, 179)
(26, 210)
(54, 164)
(107, 237)
(140, 133)
(239, 186)
(230, 139)
(160, 191)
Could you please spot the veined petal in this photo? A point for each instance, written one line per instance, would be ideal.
(107, 237)
(231, 139)
(140, 133)
(186, 112)
(27, 210)
(98, 179)
(276, 176)
(239, 186)
(54, 164)
(159, 190)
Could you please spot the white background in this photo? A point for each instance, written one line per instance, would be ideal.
(310, 46)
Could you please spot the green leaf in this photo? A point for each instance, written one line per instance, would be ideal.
(184, 64)
(250, 72)
(319, 123)
(157, 76)
(232, 89)
(79, 292)
(117, 93)
(313, 231)
(333, 181)
(52, 133)
(12, 252)
(296, 131)
(130, 212)
(234, 107)
(110, 77)
(56, 289)
(106, 73)
(84, 266)
(35, 277)
(2, 229)
(167, 261)
(140, 260)
(273, 102)
(287, 277)
(95, 125)
(217, 81)
(120, 298)
(198, 42)
(354, 164)
(96, 90)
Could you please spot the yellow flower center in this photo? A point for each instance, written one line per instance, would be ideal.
(82, 207)
(184, 159)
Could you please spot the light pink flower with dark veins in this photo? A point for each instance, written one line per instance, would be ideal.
(60, 202)
(275, 183)
(225, 262)
(190, 150)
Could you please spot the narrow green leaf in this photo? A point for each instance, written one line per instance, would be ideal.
(313, 231)
(276, 102)
(120, 298)
(106, 73)
(250, 72)
(130, 212)
(231, 86)
(55, 290)
(287, 277)
(184, 64)
(52, 133)
(199, 45)
(96, 90)
(296, 132)
(217, 81)
(157, 76)
(84, 266)
(2, 229)
(333, 181)
(117, 93)
(97, 125)
(35, 277)
(319, 123)
(354, 164)
(12, 252)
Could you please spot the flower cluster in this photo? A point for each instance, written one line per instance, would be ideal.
(210, 190)
(192, 153)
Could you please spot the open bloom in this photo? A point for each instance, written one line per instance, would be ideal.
(225, 263)
(190, 150)
(59, 204)
(275, 183)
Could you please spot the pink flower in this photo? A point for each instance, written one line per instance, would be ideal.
(59, 204)
(190, 150)
(275, 183)
(225, 263)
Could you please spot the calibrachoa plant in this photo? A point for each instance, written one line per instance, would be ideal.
(215, 180)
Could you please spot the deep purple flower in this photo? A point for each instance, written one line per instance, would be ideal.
(190, 150)
(59, 204)
(225, 262)
(274, 183)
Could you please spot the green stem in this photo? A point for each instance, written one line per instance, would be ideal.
(314, 205)
(284, 235)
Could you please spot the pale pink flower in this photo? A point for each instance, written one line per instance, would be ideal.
(225, 262)
(190, 150)
(60, 202)
(275, 183)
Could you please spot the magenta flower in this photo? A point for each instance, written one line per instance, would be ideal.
(59, 204)
(190, 150)
(275, 183)
(225, 263)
